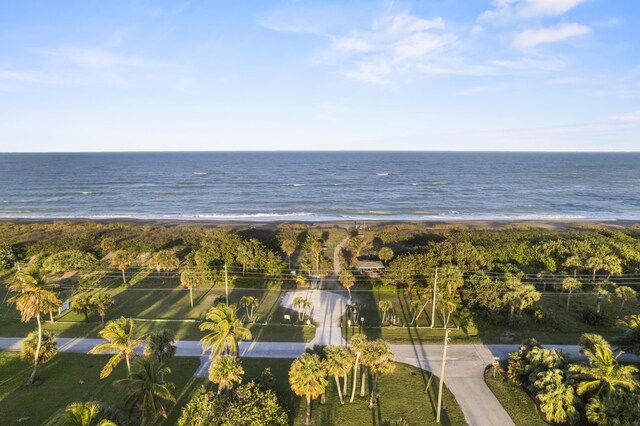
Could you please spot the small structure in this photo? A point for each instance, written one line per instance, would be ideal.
(370, 266)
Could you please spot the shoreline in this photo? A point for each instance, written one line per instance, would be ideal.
(272, 224)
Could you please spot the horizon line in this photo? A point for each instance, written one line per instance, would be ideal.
(323, 151)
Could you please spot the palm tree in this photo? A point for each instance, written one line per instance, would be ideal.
(347, 280)
(48, 347)
(165, 260)
(545, 277)
(317, 248)
(33, 291)
(122, 260)
(226, 329)
(190, 278)
(249, 303)
(595, 263)
(379, 359)
(601, 294)
(338, 361)
(50, 306)
(160, 345)
(612, 265)
(244, 256)
(603, 373)
(307, 379)
(570, 285)
(288, 247)
(83, 414)
(573, 262)
(385, 306)
(146, 390)
(357, 344)
(629, 341)
(385, 254)
(558, 400)
(102, 303)
(82, 304)
(301, 280)
(225, 371)
(301, 305)
(625, 293)
(122, 341)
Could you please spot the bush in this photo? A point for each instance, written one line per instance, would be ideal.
(531, 360)
(70, 260)
(591, 317)
(248, 406)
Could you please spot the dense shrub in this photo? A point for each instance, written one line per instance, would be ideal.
(70, 260)
(250, 405)
(591, 316)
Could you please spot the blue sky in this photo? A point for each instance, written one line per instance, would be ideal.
(548, 75)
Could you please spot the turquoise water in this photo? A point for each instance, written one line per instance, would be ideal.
(321, 185)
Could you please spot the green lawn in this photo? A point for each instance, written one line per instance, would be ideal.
(561, 327)
(564, 327)
(515, 400)
(170, 304)
(402, 393)
(60, 385)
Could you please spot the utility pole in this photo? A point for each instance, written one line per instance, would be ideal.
(444, 360)
(433, 300)
(226, 284)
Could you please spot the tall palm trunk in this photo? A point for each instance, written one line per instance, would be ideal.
(511, 311)
(289, 256)
(124, 277)
(363, 381)
(51, 316)
(355, 378)
(308, 419)
(339, 390)
(568, 300)
(344, 384)
(374, 391)
(191, 296)
(126, 357)
(36, 358)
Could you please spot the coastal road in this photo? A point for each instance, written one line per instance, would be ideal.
(464, 370)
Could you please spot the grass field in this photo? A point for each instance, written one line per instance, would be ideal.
(169, 307)
(559, 326)
(60, 385)
(402, 394)
(162, 303)
(516, 402)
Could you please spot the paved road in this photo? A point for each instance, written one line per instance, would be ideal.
(327, 308)
(464, 370)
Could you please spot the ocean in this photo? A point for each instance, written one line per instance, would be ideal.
(320, 186)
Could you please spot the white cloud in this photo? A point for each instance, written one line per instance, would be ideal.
(96, 58)
(532, 37)
(17, 76)
(534, 8)
(392, 44)
(505, 11)
(629, 118)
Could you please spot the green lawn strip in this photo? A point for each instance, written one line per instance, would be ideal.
(514, 400)
(402, 394)
(172, 304)
(61, 384)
